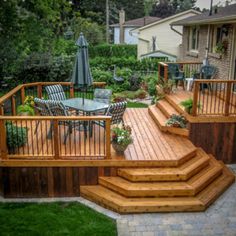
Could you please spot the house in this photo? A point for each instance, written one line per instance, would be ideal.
(159, 39)
(122, 30)
(212, 37)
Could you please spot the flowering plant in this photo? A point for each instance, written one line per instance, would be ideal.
(121, 134)
(27, 107)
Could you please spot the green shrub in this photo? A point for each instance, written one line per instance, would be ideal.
(102, 76)
(151, 82)
(112, 50)
(16, 136)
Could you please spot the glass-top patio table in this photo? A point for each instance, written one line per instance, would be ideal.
(88, 107)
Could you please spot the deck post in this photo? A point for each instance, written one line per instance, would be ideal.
(13, 104)
(39, 91)
(56, 139)
(3, 138)
(72, 94)
(22, 91)
(195, 98)
(1, 109)
(227, 99)
(165, 72)
(108, 139)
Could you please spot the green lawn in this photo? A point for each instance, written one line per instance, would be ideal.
(136, 105)
(53, 219)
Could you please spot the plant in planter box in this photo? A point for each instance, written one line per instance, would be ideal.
(27, 108)
(188, 105)
(121, 138)
(166, 86)
(16, 136)
(177, 121)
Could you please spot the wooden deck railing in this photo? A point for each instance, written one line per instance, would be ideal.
(43, 138)
(219, 99)
(10, 101)
(21, 139)
(189, 68)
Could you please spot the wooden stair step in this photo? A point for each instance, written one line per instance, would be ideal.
(146, 189)
(181, 173)
(166, 108)
(121, 204)
(160, 119)
(161, 189)
(217, 187)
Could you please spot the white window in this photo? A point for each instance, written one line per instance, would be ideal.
(193, 38)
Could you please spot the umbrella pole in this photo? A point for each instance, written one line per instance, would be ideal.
(83, 96)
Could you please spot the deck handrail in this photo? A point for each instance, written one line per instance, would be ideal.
(21, 88)
(187, 66)
(95, 146)
(219, 99)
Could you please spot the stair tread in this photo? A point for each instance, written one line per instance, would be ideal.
(123, 200)
(182, 172)
(159, 116)
(167, 108)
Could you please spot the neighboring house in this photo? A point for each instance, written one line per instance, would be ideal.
(215, 32)
(158, 39)
(127, 26)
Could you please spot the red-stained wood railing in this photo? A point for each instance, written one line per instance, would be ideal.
(189, 68)
(214, 98)
(10, 101)
(43, 138)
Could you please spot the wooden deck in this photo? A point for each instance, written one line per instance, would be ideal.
(150, 143)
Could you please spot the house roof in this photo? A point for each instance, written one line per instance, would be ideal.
(139, 22)
(223, 14)
(169, 18)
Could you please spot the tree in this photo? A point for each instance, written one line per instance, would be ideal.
(163, 9)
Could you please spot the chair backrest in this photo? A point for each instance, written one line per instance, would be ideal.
(102, 95)
(55, 92)
(116, 111)
(208, 72)
(42, 107)
(173, 68)
(57, 108)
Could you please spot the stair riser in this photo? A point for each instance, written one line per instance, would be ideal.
(162, 128)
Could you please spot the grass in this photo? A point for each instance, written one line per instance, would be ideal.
(53, 219)
(136, 105)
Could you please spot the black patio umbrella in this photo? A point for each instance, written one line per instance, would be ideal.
(81, 76)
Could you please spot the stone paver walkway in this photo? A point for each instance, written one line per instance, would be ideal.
(218, 220)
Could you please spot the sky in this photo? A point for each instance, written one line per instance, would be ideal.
(206, 3)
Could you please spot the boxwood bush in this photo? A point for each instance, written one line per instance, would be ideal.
(16, 136)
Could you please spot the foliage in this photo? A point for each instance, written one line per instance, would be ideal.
(151, 82)
(102, 76)
(16, 136)
(166, 8)
(27, 107)
(53, 219)
(165, 86)
(108, 63)
(177, 121)
(113, 50)
(135, 81)
(188, 105)
(130, 95)
(221, 47)
(121, 134)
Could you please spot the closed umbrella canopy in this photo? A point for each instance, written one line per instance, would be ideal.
(81, 76)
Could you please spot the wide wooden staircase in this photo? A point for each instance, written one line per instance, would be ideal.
(192, 185)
